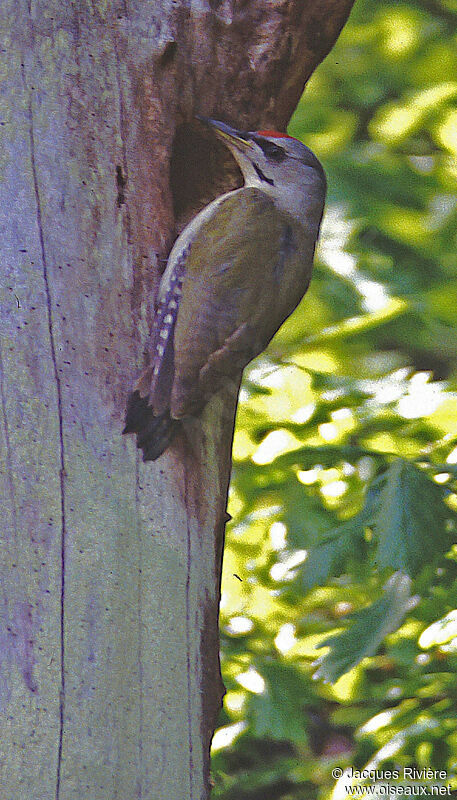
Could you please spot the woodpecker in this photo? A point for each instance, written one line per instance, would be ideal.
(234, 274)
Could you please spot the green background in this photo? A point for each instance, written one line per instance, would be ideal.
(345, 455)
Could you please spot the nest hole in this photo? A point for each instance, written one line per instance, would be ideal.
(201, 169)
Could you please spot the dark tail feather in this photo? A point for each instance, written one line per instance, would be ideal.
(154, 433)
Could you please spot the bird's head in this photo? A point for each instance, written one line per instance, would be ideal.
(277, 163)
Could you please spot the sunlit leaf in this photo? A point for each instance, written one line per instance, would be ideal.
(357, 325)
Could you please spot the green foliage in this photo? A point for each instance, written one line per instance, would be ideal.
(410, 519)
(275, 713)
(344, 485)
(407, 514)
(367, 630)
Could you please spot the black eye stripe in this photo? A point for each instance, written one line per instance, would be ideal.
(270, 149)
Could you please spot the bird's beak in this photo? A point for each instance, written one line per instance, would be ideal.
(238, 139)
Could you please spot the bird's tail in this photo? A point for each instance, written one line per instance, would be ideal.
(153, 433)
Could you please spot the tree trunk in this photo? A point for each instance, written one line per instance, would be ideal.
(109, 678)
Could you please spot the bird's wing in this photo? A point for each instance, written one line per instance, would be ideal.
(236, 278)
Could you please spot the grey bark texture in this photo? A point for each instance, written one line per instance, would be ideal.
(110, 569)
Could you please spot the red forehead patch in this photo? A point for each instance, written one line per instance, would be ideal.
(276, 134)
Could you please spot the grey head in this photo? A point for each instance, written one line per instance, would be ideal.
(280, 165)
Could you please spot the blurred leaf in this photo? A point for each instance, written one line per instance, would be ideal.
(397, 121)
(408, 515)
(410, 519)
(279, 713)
(331, 555)
(357, 325)
(366, 631)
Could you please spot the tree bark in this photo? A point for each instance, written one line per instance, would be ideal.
(109, 676)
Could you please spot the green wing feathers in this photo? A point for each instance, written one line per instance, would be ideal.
(232, 300)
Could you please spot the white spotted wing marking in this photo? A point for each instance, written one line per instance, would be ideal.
(165, 318)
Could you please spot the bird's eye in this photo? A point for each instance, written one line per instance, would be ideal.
(271, 150)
